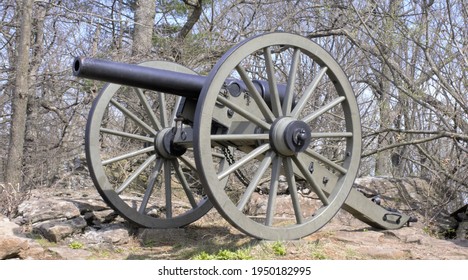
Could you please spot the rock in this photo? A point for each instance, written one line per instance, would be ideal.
(367, 243)
(282, 186)
(12, 246)
(364, 237)
(34, 252)
(98, 218)
(462, 230)
(33, 211)
(90, 205)
(257, 205)
(384, 253)
(116, 234)
(57, 230)
(8, 228)
(71, 254)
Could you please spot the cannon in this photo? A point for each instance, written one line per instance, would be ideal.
(275, 115)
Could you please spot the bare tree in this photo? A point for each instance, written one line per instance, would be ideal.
(145, 12)
(13, 174)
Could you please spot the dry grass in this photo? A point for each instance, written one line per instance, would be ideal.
(10, 198)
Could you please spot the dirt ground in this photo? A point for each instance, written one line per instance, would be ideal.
(213, 238)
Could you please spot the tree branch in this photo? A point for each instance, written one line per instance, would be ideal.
(456, 136)
(192, 20)
(396, 145)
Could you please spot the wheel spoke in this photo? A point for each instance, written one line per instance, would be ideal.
(327, 161)
(274, 96)
(253, 154)
(255, 94)
(287, 102)
(287, 162)
(128, 155)
(323, 110)
(308, 93)
(163, 109)
(168, 188)
(148, 109)
(255, 180)
(184, 183)
(135, 174)
(132, 116)
(246, 114)
(190, 164)
(151, 183)
(127, 135)
(273, 190)
(315, 187)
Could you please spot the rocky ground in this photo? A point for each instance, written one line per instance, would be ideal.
(65, 223)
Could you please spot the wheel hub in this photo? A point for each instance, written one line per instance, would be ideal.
(164, 144)
(289, 136)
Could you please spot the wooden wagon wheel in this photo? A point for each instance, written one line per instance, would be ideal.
(305, 148)
(130, 158)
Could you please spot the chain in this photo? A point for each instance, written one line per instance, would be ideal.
(230, 159)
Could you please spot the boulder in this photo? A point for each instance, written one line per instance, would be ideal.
(264, 188)
(13, 244)
(90, 204)
(71, 254)
(33, 211)
(98, 218)
(115, 234)
(57, 230)
(8, 228)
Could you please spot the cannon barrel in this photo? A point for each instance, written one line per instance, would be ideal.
(171, 82)
(186, 85)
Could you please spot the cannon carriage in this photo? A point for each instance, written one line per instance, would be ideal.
(276, 112)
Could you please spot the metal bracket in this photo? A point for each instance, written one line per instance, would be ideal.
(387, 215)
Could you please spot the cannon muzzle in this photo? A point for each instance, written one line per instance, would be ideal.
(186, 85)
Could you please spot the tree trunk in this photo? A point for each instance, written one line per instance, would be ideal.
(143, 34)
(13, 174)
(382, 165)
(33, 148)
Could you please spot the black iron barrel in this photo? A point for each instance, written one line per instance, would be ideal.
(170, 82)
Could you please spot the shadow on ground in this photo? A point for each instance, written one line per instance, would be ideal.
(186, 243)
